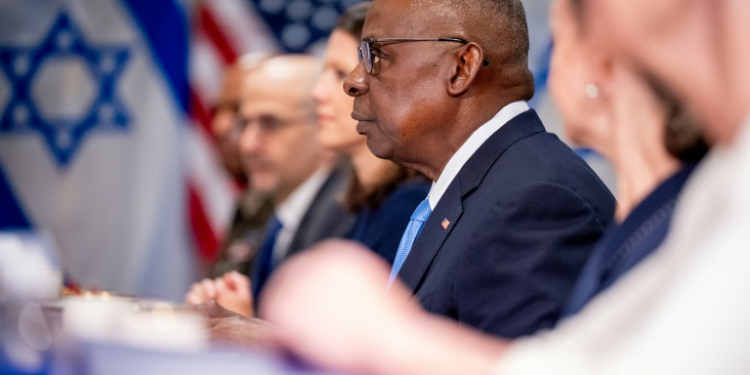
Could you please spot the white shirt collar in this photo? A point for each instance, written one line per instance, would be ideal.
(293, 209)
(471, 146)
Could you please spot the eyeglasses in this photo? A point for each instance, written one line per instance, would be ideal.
(268, 124)
(365, 47)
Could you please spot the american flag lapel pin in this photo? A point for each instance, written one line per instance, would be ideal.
(446, 223)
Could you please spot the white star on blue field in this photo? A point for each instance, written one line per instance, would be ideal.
(63, 55)
(300, 24)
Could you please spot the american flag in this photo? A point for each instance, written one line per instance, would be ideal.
(222, 32)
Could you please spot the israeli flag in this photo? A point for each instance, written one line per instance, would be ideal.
(93, 120)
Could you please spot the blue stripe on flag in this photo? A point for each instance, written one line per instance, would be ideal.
(11, 215)
(164, 26)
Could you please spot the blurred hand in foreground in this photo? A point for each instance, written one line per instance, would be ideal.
(242, 331)
(329, 305)
(227, 327)
(209, 310)
(231, 291)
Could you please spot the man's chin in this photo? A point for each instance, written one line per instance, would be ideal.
(378, 149)
(263, 186)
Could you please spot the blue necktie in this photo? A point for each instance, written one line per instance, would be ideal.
(265, 256)
(416, 223)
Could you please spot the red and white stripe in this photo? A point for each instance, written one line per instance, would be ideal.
(222, 31)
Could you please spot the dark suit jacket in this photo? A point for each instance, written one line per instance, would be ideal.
(520, 219)
(625, 245)
(380, 229)
(326, 217)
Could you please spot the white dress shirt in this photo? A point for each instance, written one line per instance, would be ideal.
(471, 146)
(293, 209)
(685, 309)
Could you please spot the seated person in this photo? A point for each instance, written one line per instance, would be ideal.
(514, 212)
(241, 242)
(280, 150)
(381, 194)
(642, 129)
(623, 328)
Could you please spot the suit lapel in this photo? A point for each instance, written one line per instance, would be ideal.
(522, 126)
(450, 207)
(315, 219)
(431, 238)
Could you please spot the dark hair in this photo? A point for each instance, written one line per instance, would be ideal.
(503, 32)
(353, 19)
(578, 9)
(683, 137)
(359, 197)
(513, 27)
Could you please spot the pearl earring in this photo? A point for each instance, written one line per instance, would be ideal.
(592, 91)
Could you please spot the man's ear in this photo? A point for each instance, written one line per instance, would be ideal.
(468, 62)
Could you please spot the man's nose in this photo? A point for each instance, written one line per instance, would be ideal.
(250, 141)
(356, 83)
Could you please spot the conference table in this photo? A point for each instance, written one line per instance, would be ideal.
(74, 336)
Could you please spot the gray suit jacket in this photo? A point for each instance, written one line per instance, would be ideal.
(326, 217)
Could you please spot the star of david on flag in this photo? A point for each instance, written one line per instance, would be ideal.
(63, 123)
(97, 143)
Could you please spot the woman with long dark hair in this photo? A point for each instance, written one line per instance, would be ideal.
(382, 194)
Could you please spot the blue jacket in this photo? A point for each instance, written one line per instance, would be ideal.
(506, 242)
(381, 229)
(623, 246)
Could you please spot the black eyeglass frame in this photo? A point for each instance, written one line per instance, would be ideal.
(366, 45)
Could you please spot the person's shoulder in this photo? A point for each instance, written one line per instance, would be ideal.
(541, 173)
(415, 189)
(522, 151)
(545, 158)
(404, 198)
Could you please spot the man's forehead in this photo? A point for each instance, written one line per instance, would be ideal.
(402, 18)
(270, 99)
(260, 83)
